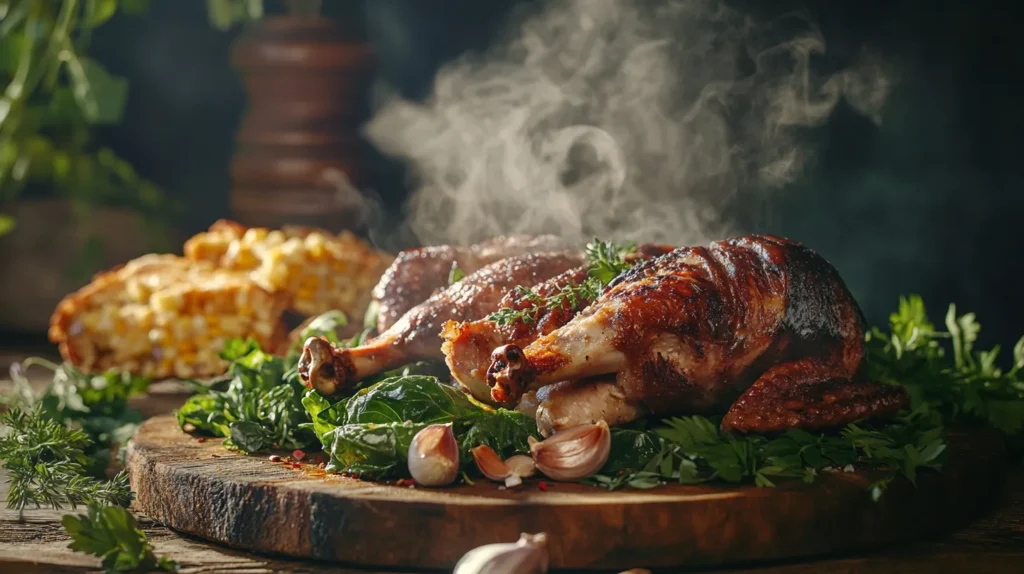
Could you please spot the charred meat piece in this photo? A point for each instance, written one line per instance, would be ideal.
(468, 345)
(417, 273)
(758, 326)
(415, 335)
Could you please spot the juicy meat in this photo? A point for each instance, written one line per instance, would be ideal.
(570, 403)
(759, 326)
(468, 345)
(417, 273)
(415, 336)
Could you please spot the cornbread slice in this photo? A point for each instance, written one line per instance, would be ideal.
(164, 316)
(319, 271)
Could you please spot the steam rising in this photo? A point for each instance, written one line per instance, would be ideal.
(602, 118)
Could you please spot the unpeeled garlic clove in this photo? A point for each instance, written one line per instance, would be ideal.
(573, 453)
(529, 555)
(489, 463)
(521, 465)
(434, 456)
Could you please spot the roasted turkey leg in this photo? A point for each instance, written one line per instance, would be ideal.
(760, 323)
(468, 345)
(415, 336)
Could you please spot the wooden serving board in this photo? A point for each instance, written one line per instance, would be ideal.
(249, 502)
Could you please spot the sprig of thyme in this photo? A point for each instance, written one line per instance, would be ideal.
(605, 262)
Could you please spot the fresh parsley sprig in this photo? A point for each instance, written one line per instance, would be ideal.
(692, 450)
(111, 533)
(965, 385)
(605, 262)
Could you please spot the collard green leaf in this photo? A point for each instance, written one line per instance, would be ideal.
(371, 450)
(248, 436)
(414, 398)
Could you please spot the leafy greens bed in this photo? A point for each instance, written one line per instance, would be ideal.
(368, 434)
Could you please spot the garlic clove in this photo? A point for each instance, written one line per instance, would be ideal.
(529, 555)
(521, 465)
(434, 456)
(489, 463)
(573, 453)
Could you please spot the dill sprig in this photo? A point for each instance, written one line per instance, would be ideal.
(46, 464)
(605, 262)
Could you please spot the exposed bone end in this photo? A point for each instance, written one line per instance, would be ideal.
(467, 349)
(505, 375)
(318, 368)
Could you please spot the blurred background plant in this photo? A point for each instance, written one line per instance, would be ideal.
(225, 14)
(54, 99)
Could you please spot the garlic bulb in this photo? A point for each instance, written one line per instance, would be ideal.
(573, 453)
(434, 456)
(529, 555)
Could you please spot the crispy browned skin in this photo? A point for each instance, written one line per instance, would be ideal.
(468, 345)
(417, 273)
(415, 335)
(759, 323)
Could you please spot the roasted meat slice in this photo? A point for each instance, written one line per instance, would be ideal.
(468, 345)
(164, 316)
(416, 335)
(758, 326)
(417, 273)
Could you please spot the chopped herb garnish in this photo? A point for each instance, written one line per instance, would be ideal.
(605, 262)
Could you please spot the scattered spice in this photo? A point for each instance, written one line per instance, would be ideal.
(321, 465)
(543, 486)
(296, 465)
(201, 439)
(275, 458)
(298, 455)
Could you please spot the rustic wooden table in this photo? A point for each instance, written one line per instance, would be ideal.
(36, 542)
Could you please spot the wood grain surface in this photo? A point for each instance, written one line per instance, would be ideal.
(200, 488)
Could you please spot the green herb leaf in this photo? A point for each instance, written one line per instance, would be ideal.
(455, 274)
(111, 533)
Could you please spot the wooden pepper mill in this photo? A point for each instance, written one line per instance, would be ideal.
(297, 156)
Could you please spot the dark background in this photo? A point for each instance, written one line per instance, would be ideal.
(929, 202)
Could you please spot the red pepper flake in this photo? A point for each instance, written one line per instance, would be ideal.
(275, 458)
(543, 486)
(296, 465)
(298, 455)
(201, 439)
(400, 482)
